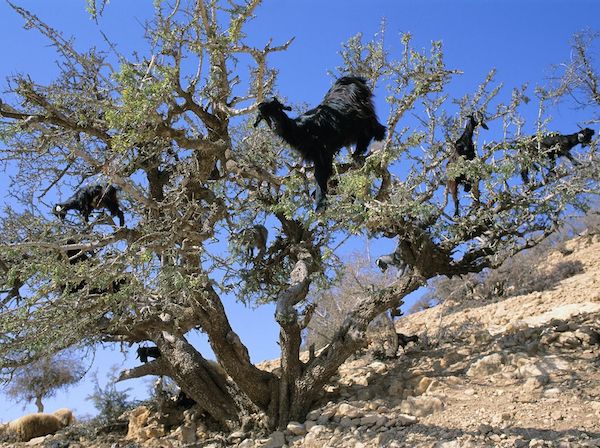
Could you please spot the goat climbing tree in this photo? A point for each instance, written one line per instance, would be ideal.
(194, 174)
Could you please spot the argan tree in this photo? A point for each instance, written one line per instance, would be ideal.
(172, 129)
(44, 378)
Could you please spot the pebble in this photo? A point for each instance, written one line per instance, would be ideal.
(368, 420)
(347, 410)
(296, 428)
(275, 440)
(484, 428)
(405, 419)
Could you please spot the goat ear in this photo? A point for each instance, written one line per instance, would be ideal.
(286, 108)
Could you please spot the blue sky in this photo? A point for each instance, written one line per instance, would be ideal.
(522, 39)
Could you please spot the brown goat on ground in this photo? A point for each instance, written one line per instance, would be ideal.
(40, 424)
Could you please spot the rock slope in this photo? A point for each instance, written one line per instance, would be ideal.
(518, 372)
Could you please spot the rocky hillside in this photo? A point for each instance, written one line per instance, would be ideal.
(520, 372)
(523, 371)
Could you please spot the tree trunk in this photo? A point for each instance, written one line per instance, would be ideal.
(39, 404)
(308, 386)
(290, 339)
(291, 369)
(231, 352)
(199, 380)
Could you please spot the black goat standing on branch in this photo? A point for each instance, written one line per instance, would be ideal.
(76, 256)
(143, 353)
(557, 145)
(345, 117)
(465, 149)
(91, 197)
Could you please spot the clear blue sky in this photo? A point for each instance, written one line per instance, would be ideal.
(520, 38)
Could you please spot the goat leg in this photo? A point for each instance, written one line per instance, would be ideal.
(525, 175)
(322, 172)
(359, 155)
(572, 159)
(475, 192)
(121, 217)
(453, 190)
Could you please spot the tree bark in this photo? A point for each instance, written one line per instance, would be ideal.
(290, 338)
(198, 379)
(349, 338)
(39, 404)
(230, 351)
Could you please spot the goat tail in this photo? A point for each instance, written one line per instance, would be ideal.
(378, 131)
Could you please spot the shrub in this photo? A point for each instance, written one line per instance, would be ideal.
(109, 401)
(358, 279)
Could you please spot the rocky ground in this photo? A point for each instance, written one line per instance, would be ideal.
(520, 372)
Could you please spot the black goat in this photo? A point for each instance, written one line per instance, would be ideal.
(557, 145)
(115, 286)
(91, 197)
(463, 148)
(403, 340)
(143, 353)
(183, 401)
(345, 117)
(77, 256)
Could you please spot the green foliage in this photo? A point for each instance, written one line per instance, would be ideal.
(95, 8)
(240, 15)
(141, 96)
(109, 401)
(195, 175)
